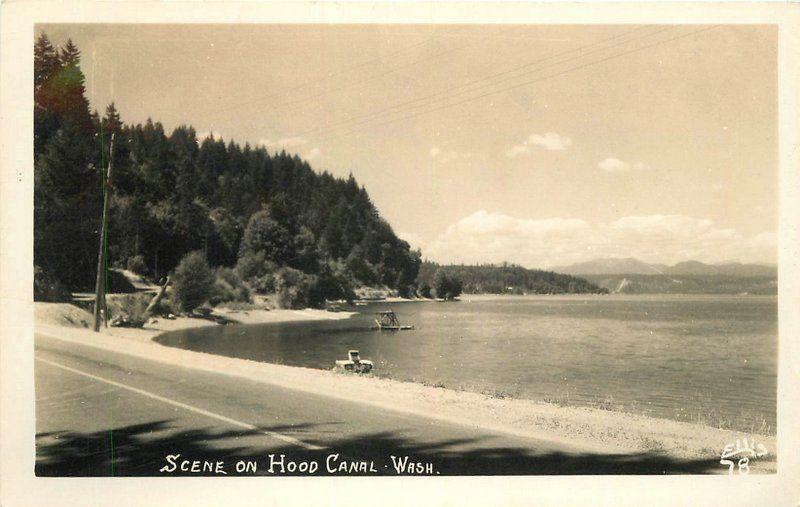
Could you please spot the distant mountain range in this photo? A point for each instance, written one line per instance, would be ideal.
(630, 266)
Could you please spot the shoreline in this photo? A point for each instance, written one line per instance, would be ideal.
(70, 316)
(580, 428)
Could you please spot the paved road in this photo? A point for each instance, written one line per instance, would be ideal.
(101, 413)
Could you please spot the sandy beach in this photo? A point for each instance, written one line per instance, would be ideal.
(586, 429)
(70, 316)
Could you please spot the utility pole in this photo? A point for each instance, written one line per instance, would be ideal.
(100, 288)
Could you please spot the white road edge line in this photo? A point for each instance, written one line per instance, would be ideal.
(206, 413)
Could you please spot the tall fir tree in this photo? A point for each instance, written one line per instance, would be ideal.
(67, 191)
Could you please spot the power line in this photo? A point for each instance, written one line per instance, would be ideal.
(518, 85)
(490, 85)
(300, 101)
(409, 64)
(370, 78)
(288, 90)
(467, 84)
(446, 95)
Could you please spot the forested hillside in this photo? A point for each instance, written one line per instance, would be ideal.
(174, 193)
(507, 279)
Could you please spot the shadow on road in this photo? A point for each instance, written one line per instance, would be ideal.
(140, 450)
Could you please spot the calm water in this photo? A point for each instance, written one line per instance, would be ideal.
(708, 359)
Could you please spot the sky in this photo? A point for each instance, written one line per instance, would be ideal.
(538, 145)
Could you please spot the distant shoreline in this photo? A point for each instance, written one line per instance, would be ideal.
(614, 296)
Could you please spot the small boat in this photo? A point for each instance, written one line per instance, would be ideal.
(361, 303)
(387, 321)
(354, 364)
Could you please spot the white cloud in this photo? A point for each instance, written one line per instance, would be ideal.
(497, 237)
(549, 141)
(612, 165)
(286, 143)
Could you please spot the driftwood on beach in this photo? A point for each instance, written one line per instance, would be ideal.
(157, 299)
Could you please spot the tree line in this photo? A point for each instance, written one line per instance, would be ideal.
(501, 279)
(268, 218)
